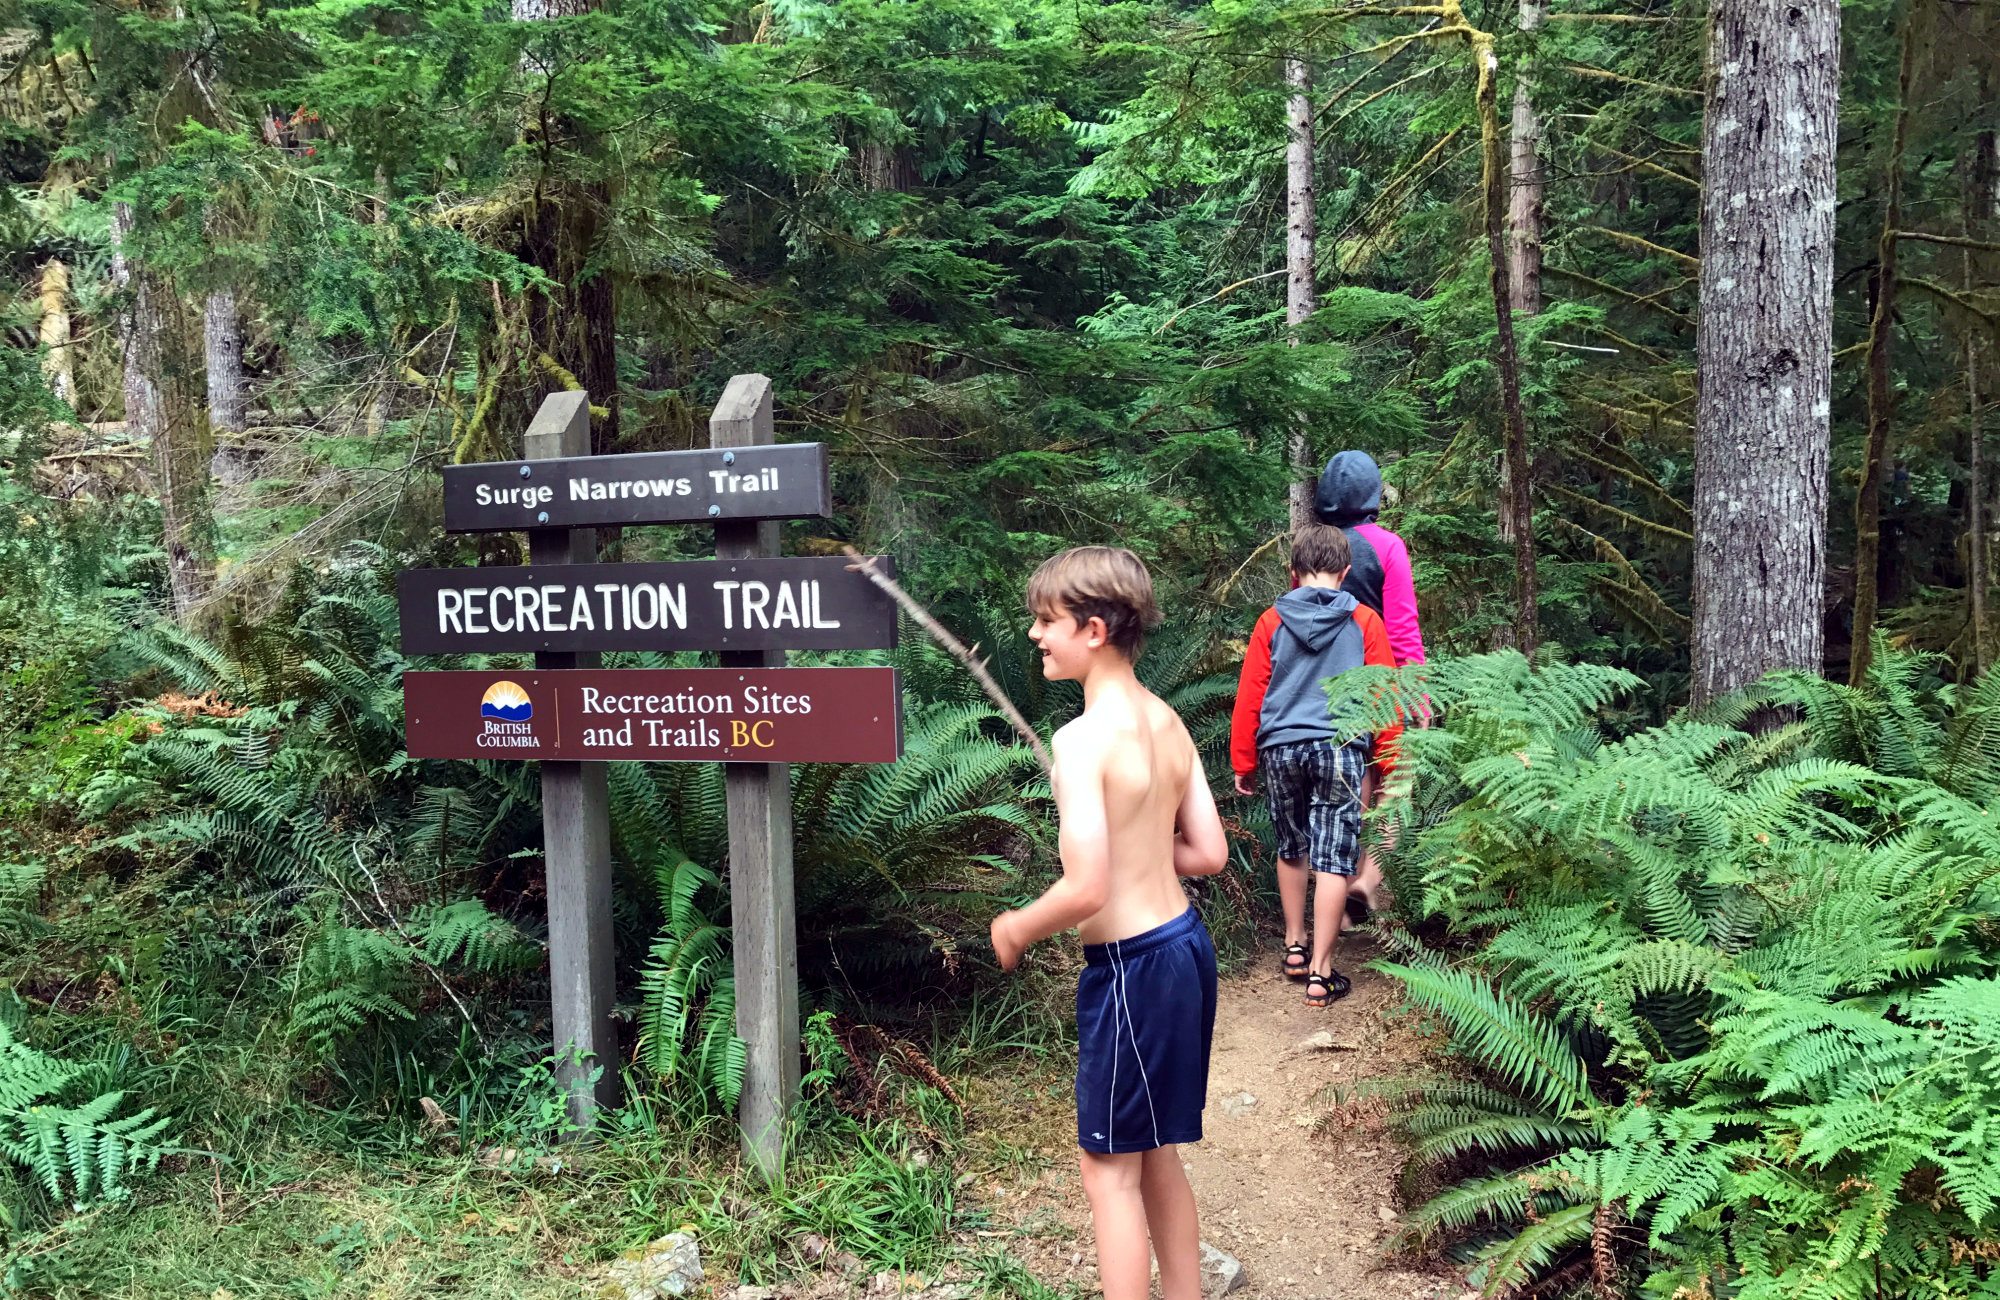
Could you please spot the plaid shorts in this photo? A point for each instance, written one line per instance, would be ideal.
(1314, 790)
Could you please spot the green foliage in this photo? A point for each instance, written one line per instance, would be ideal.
(1740, 988)
(349, 979)
(688, 998)
(78, 1147)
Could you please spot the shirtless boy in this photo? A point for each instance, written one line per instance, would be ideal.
(1135, 815)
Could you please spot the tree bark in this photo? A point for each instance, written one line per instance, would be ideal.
(1881, 401)
(1982, 203)
(57, 363)
(1301, 250)
(1764, 341)
(1524, 203)
(222, 335)
(1524, 226)
(577, 326)
(1517, 509)
(1976, 577)
(162, 409)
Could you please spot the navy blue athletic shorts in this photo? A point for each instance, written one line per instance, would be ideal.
(1145, 1018)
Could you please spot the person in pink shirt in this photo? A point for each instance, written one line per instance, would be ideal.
(1349, 497)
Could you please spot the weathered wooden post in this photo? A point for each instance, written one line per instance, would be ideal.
(576, 824)
(760, 843)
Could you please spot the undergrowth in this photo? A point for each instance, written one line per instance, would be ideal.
(1725, 1004)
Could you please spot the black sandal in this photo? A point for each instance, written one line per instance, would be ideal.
(1332, 988)
(1358, 909)
(1290, 971)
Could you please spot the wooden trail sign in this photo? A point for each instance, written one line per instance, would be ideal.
(786, 481)
(787, 603)
(673, 715)
(752, 713)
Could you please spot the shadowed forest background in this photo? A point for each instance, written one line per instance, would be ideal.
(1714, 982)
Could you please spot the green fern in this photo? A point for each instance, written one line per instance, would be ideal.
(1744, 989)
(77, 1151)
(687, 1012)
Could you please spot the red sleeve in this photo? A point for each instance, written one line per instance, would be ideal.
(1376, 652)
(1250, 688)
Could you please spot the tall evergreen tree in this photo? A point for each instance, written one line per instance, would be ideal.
(1765, 340)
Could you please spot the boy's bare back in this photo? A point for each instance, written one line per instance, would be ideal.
(1135, 749)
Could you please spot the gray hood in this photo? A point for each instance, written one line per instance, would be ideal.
(1315, 615)
(1350, 490)
(1316, 638)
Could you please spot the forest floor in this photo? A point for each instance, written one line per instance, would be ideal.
(1298, 1190)
(1303, 1194)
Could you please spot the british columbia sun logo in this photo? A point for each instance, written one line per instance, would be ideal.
(507, 702)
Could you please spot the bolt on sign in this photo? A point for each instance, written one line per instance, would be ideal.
(786, 603)
(671, 715)
(781, 481)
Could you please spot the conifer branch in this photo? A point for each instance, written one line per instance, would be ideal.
(1685, 259)
(1637, 521)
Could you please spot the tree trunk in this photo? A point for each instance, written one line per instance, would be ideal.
(1524, 226)
(1765, 341)
(1524, 206)
(1301, 245)
(1975, 469)
(57, 363)
(222, 333)
(1982, 203)
(161, 408)
(1517, 509)
(1881, 401)
(379, 404)
(576, 327)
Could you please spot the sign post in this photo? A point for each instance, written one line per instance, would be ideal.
(576, 826)
(762, 913)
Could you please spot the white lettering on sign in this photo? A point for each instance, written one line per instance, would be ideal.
(752, 604)
(699, 734)
(559, 607)
(760, 700)
(764, 480)
(526, 496)
(590, 489)
(597, 701)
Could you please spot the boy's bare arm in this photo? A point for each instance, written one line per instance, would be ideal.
(1200, 846)
(1084, 840)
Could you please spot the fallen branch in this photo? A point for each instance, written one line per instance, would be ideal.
(1230, 581)
(416, 949)
(939, 633)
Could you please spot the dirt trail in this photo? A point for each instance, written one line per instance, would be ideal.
(1305, 1211)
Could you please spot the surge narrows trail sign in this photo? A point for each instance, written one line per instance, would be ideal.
(752, 714)
(653, 487)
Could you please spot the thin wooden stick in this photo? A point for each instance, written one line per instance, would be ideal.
(939, 633)
(416, 949)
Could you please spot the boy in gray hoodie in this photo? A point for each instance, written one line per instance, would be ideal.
(1282, 729)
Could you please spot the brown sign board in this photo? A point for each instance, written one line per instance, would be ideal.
(781, 481)
(784, 603)
(661, 715)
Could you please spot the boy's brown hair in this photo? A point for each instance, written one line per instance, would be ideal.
(1107, 582)
(1320, 548)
